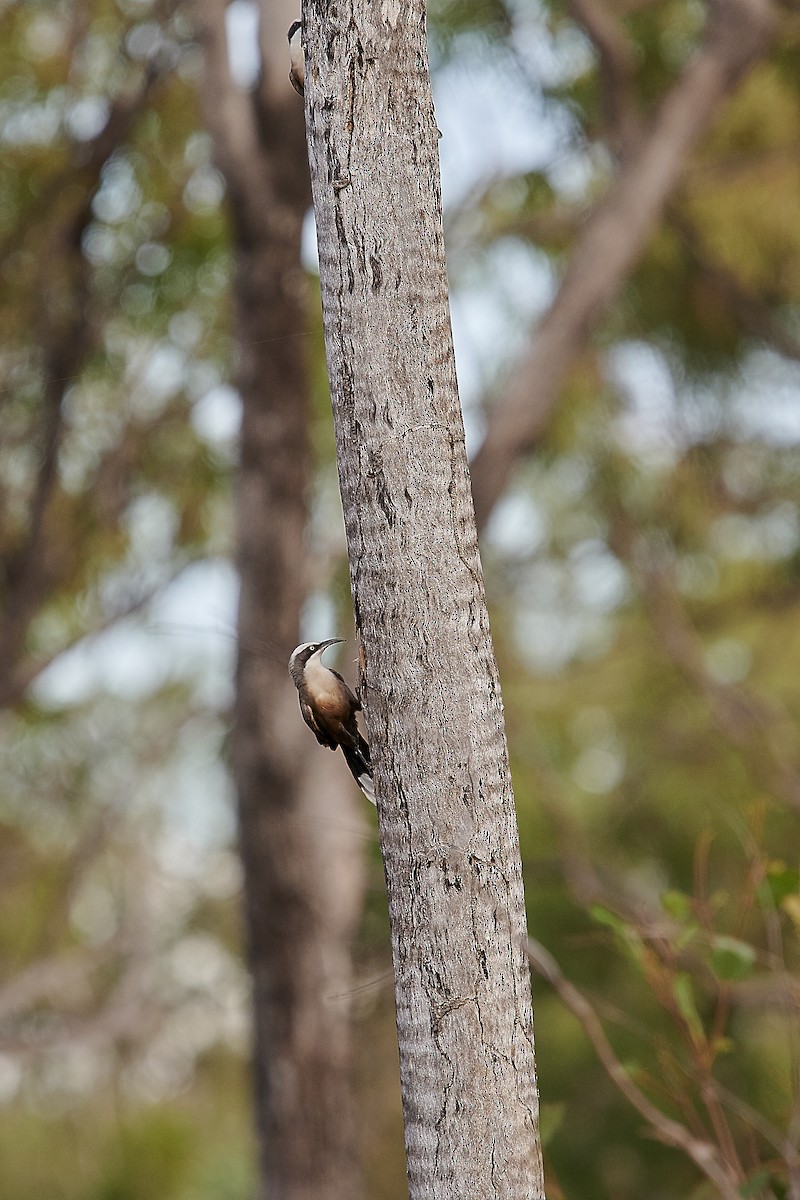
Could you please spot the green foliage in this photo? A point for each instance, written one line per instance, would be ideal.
(149, 1158)
(128, 1154)
(731, 958)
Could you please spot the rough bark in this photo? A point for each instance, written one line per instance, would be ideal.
(614, 238)
(429, 679)
(301, 878)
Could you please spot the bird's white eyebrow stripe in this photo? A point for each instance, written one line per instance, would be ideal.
(299, 649)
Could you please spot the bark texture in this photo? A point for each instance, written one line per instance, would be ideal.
(618, 230)
(302, 876)
(429, 678)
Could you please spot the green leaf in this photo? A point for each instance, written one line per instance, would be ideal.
(604, 916)
(628, 935)
(684, 998)
(677, 904)
(756, 1183)
(732, 958)
(791, 906)
(781, 881)
(686, 936)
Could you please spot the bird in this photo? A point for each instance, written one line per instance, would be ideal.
(329, 709)
(297, 71)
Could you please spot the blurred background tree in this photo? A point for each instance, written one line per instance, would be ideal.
(642, 566)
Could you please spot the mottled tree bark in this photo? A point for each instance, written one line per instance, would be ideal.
(429, 678)
(302, 877)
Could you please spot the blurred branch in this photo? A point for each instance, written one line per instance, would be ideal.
(131, 1012)
(64, 327)
(32, 577)
(91, 845)
(624, 8)
(69, 342)
(702, 1153)
(51, 976)
(231, 119)
(751, 1116)
(613, 240)
(617, 55)
(27, 670)
(55, 1001)
(528, 75)
(588, 882)
(728, 169)
(476, 219)
(747, 720)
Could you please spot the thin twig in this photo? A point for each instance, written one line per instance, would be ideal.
(702, 1153)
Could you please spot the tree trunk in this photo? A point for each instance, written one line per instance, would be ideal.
(429, 679)
(302, 879)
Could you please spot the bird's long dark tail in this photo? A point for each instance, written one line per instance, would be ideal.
(360, 767)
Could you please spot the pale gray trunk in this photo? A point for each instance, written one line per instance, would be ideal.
(429, 678)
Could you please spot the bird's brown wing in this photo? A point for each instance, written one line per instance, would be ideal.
(335, 717)
(354, 700)
(322, 736)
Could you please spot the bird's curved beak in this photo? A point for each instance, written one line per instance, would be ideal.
(330, 642)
